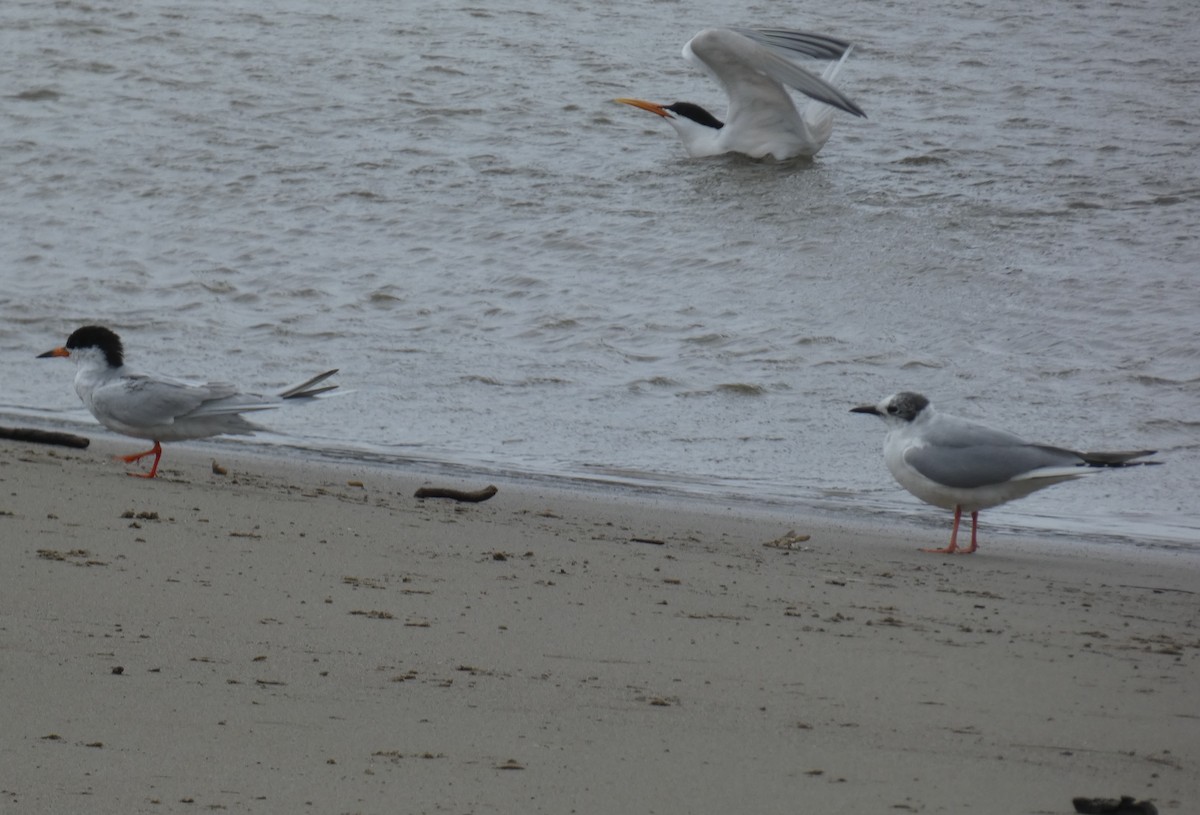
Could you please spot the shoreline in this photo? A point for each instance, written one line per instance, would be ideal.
(282, 639)
(915, 518)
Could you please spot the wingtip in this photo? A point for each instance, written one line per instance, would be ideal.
(1119, 458)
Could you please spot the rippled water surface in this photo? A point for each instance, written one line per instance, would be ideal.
(514, 272)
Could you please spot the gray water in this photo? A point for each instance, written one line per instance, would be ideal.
(514, 273)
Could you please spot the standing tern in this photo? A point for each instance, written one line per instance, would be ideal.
(753, 66)
(161, 409)
(958, 464)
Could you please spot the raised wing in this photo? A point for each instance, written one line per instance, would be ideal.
(753, 73)
(818, 46)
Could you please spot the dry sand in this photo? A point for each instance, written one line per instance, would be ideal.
(283, 640)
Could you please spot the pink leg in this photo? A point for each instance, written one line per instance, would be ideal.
(974, 526)
(156, 450)
(953, 547)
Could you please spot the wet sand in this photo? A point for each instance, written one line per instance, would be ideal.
(293, 637)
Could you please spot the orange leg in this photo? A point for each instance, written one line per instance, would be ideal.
(974, 526)
(156, 451)
(953, 547)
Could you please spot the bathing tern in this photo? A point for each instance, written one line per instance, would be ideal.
(755, 66)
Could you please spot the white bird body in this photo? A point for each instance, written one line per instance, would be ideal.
(163, 409)
(907, 441)
(755, 67)
(160, 408)
(958, 464)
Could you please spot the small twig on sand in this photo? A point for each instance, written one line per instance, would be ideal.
(791, 540)
(43, 437)
(474, 496)
(1156, 588)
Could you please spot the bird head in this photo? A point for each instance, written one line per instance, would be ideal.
(898, 409)
(676, 110)
(91, 340)
(698, 129)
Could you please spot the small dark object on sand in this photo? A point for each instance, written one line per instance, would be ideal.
(1111, 806)
(474, 496)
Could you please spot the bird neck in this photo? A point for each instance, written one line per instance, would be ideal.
(698, 139)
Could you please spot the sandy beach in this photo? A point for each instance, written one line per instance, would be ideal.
(297, 637)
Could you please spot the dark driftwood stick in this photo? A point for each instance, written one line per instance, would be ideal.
(1109, 806)
(474, 496)
(43, 437)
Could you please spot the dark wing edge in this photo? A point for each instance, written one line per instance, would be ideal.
(1119, 458)
(795, 76)
(818, 46)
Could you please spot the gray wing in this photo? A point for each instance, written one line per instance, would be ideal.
(752, 69)
(818, 46)
(140, 400)
(963, 455)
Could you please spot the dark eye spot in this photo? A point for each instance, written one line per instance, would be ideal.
(892, 408)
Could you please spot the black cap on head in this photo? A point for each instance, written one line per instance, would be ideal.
(697, 114)
(97, 336)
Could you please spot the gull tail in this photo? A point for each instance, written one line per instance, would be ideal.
(307, 389)
(1122, 458)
